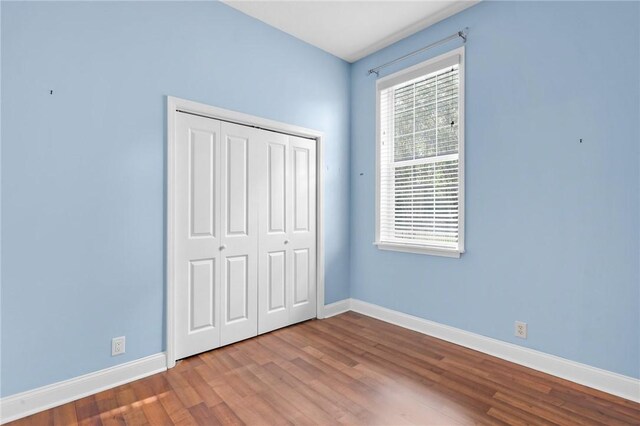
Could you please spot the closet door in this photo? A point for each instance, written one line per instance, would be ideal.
(274, 276)
(302, 235)
(239, 233)
(287, 274)
(197, 234)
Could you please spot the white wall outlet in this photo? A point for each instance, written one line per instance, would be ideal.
(521, 329)
(117, 345)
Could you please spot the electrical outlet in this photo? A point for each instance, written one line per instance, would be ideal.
(521, 329)
(117, 345)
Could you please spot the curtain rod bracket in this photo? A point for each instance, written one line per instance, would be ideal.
(463, 35)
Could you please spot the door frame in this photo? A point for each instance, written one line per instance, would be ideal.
(177, 104)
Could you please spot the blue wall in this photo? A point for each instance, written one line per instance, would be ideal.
(83, 169)
(552, 227)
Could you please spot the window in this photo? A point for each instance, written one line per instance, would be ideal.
(420, 180)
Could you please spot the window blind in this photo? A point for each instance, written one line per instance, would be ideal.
(419, 164)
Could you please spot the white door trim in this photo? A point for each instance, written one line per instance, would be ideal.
(173, 105)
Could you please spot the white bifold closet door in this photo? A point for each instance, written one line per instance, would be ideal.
(239, 248)
(197, 234)
(245, 239)
(286, 283)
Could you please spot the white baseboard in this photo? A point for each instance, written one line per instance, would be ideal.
(606, 381)
(339, 307)
(26, 403)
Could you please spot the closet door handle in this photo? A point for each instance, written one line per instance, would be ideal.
(222, 247)
(286, 241)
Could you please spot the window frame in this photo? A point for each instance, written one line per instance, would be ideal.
(406, 75)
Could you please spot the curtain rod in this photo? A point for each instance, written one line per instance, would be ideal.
(461, 34)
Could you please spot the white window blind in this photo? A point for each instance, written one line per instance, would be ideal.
(419, 158)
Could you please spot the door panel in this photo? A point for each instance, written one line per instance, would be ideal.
(301, 276)
(237, 175)
(239, 243)
(277, 174)
(201, 294)
(301, 187)
(277, 281)
(302, 239)
(287, 232)
(202, 159)
(197, 202)
(237, 292)
(274, 276)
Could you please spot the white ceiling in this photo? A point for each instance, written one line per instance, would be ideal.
(350, 29)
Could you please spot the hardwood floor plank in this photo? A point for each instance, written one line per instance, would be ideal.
(591, 406)
(266, 411)
(287, 388)
(225, 415)
(110, 411)
(65, 414)
(506, 417)
(155, 412)
(200, 412)
(534, 408)
(131, 410)
(202, 388)
(87, 411)
(171, 402)
(239, 406)
(187, 394)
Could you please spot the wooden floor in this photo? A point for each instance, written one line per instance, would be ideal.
(348, 369)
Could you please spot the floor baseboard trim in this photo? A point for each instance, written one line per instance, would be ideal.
(336, 308)
(606, 381)
(23, 404)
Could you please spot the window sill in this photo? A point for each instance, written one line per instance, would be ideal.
(410, 248)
